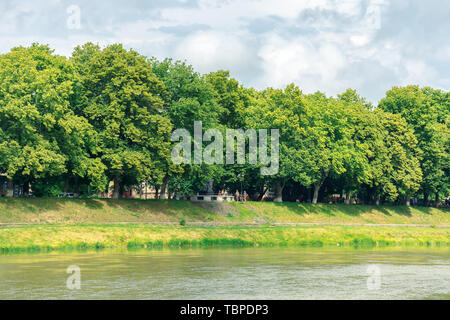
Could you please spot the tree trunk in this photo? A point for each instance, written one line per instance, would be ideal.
(116, 188)
(377, 201)
(347, 197)
(316, 193)
(146, 189)
(408, 201)
(261, 195)
(10, 189)
(163, 193)
(76, 191)
(121, 190)
(26, 189)
(436, 199)
(278, 192)
(66, 185)
(317, 187)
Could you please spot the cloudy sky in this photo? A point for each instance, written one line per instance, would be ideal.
(327, 45)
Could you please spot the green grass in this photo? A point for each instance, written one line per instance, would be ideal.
(64, 237)
(73, 224)
(76, 211)
(341, 213)
(63, 211)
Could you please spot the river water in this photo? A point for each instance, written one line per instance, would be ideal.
(255, 273)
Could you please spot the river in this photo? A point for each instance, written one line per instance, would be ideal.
(254, 273)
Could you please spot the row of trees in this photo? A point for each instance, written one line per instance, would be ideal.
(107, 114)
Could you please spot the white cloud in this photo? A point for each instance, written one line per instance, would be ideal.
(418, 72)
(347, 7)
(312, 66)
(359, 40)
(230, 15)
(210, 51)
(443, 54)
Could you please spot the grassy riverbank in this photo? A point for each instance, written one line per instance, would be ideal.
(60, 224)
(94, 211)
(62, 237)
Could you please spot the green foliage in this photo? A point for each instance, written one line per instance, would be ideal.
(190, 97)
(231, 96)
(427, 113)
(121, 98)
(107, 114)
(35, 87)
(47, 187)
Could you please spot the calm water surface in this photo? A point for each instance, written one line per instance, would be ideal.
(256, 273)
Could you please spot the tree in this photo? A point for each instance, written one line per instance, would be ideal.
(280, 109)
(231, 96)
(358, 116)
(326, 146)
(189, 98)
(123, 99)
(40, 136)
(426, 111)
(405, 174)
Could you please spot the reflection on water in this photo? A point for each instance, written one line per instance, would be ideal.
(256, 273)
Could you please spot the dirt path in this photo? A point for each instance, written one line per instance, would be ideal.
(241, 224)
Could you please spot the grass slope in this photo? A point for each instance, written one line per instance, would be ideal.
(76, 211)
(341, 213)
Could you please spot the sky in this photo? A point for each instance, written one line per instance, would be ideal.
(326, 45)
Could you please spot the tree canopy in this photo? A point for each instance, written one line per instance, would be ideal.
(103, 118)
